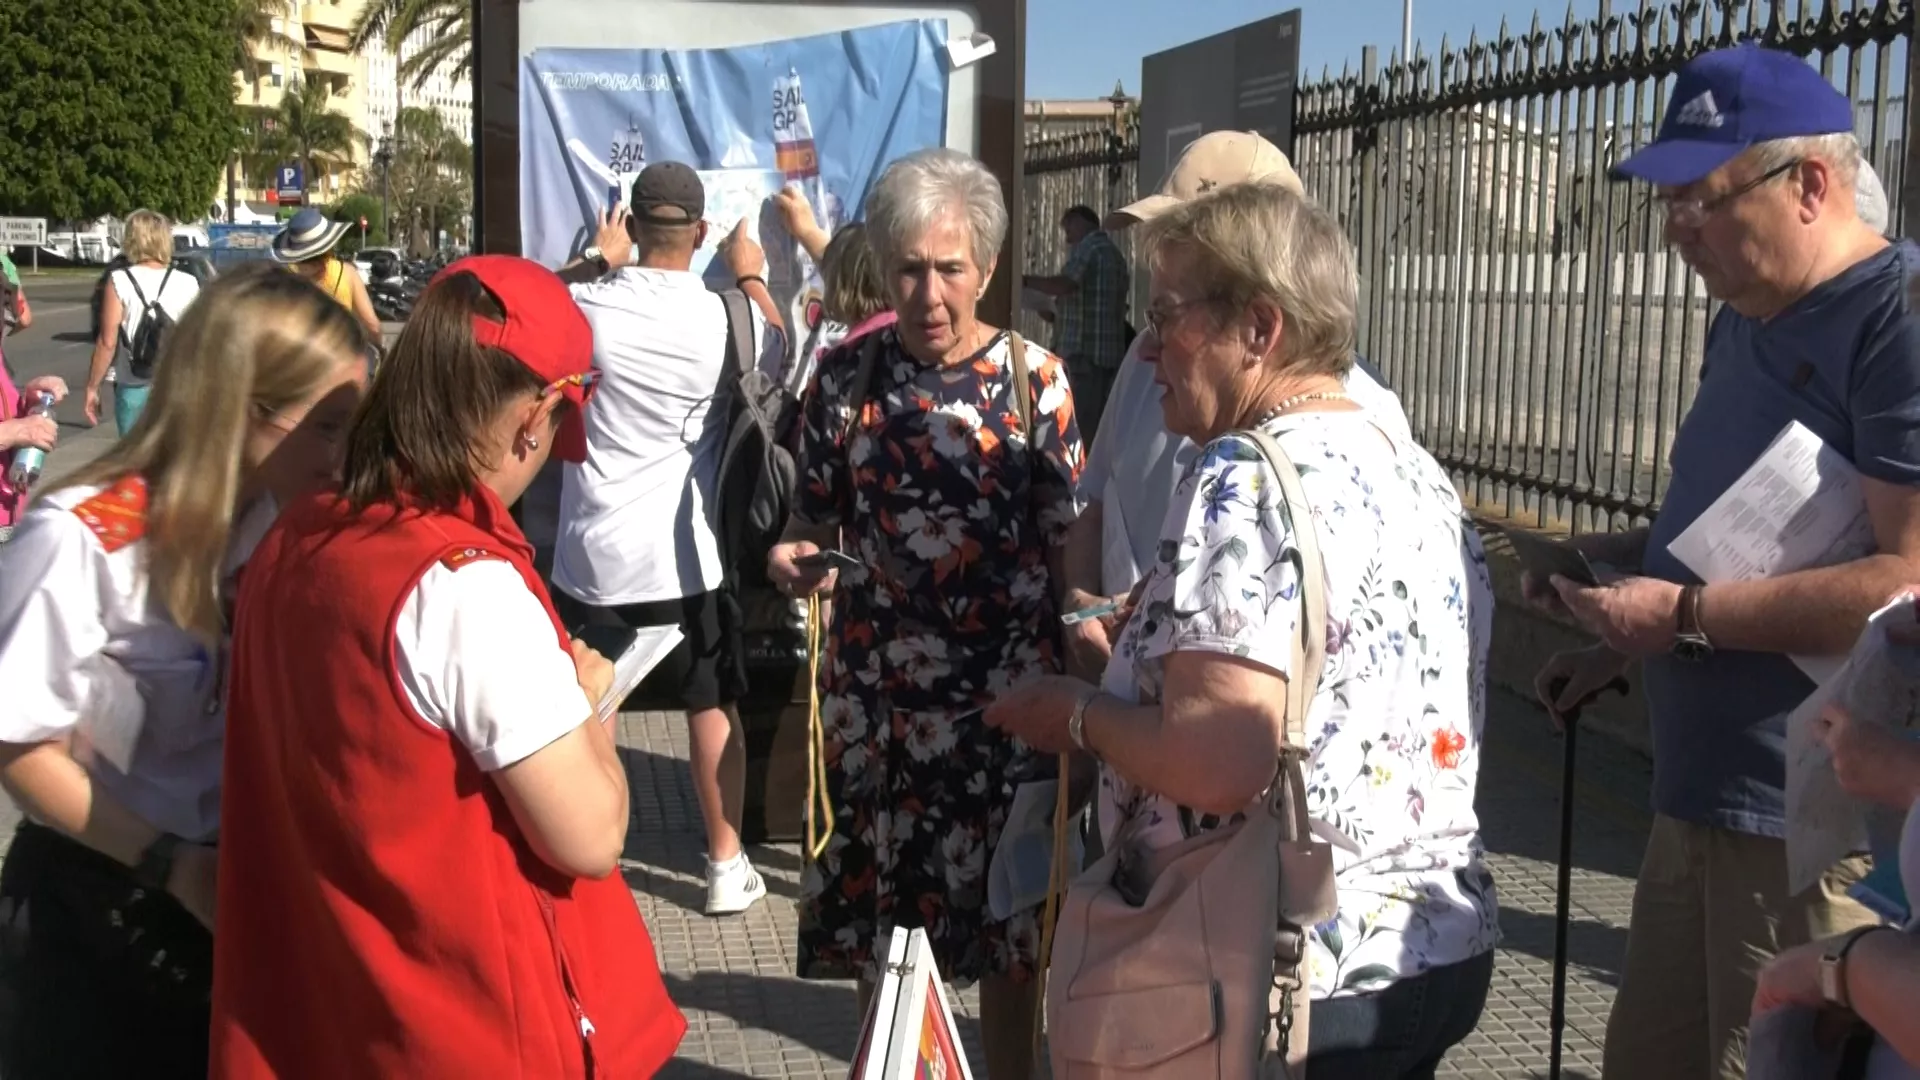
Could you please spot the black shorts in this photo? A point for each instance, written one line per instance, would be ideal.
(708, 667)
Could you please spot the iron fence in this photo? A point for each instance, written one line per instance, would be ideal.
(1524, 306)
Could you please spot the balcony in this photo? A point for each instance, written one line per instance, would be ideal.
(337, 17)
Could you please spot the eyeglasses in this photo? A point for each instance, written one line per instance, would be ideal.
(1693, 213)
(1159, 317)
(588, 381)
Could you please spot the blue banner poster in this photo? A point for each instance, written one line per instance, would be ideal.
(825, 113)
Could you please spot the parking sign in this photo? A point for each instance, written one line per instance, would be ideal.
(290, 184)
(23, 232)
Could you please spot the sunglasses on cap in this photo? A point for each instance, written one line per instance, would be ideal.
(587, 381)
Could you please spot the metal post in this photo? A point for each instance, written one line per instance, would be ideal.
(1910, 175)
(1406, 30)
(1462, 275)
(230, 191)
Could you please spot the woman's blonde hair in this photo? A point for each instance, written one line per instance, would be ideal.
(255, 340)
(149, 238)
(1258, 241)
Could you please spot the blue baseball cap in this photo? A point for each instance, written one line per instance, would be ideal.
(1726, 101)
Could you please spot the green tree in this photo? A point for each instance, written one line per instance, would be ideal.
(112, 105)
(302, 129)
(360, 204)
(449, 33)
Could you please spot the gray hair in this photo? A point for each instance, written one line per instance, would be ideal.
(1255, 241)
(919, 189)
(1841, 152)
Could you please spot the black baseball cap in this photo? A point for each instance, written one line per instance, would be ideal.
(669, 193)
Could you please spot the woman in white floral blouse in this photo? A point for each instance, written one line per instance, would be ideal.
(1251, 324)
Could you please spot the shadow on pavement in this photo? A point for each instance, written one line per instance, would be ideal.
(1593, 948)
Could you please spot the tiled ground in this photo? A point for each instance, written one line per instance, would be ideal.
(749, 1017)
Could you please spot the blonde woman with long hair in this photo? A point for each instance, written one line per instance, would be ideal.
(114, 597)
(148, 279)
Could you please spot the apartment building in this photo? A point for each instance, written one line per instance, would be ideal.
(314, 49)
(444, 92)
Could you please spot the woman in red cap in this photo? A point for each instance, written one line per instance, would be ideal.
(423, 815)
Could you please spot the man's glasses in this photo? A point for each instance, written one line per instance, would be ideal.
(1693, 213)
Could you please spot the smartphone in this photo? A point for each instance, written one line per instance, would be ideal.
(1543, 558)
(827, 560)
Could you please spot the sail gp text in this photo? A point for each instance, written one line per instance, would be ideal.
(656, 82)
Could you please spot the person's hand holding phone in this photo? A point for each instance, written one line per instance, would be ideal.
(793, 571)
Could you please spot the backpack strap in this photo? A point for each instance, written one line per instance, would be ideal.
(739, 331)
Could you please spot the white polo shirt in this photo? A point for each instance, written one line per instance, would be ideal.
(478, 658)
(81, 645)
(634, 521)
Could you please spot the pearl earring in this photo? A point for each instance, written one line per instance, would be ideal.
(529, 441)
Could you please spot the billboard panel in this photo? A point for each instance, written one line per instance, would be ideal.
(1239, 80)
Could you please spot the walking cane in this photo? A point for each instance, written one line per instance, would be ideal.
(1557, 1017)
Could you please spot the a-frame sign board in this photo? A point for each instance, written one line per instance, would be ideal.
(909, 1033)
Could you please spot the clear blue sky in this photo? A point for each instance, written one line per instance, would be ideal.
(1077, 48)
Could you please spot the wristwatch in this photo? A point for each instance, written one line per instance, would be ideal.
(593, 255)
(156, 863)
(1077, 723)
(1690, 643)
(1833, 967)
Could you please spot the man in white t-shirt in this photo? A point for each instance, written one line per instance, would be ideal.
(1135, 463)
(635, 543)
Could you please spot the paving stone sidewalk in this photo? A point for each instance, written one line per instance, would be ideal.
(748, 1015)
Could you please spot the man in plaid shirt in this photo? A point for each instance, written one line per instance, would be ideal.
(1090, 329)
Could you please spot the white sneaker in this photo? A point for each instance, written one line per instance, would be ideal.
(733, 887)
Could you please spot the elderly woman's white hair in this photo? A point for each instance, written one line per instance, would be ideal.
(920, 188)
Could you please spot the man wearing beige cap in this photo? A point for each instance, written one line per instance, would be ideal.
(1135, 462)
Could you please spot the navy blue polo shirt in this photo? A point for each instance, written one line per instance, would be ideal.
(1844, 361)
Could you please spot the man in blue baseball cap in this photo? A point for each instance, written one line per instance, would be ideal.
(1754, 167)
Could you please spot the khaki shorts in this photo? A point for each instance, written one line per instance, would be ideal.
(1709, 910)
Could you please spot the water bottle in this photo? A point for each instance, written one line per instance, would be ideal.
(27, 460)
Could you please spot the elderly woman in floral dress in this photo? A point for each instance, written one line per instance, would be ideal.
(956, 511)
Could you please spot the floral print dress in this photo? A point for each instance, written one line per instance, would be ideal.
(951, 508)
(1394, 732)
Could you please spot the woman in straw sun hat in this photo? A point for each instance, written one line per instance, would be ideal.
(306, 246)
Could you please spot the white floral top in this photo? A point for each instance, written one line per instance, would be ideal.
(1395, 728)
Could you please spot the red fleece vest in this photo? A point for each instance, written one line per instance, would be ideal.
(380, 912)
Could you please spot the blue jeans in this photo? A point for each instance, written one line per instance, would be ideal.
(1401, 1032)
(127, 403)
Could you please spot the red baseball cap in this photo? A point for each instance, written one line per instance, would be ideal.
(544, 330)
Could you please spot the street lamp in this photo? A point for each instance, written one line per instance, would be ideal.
(383, 157)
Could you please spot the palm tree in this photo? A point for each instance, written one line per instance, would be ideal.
(302, 129)
(432, 165)
(449, 27)
(253, 31)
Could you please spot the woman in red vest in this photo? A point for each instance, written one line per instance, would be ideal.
(114, 604)
(423, 815)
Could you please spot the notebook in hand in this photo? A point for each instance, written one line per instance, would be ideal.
(633, 652)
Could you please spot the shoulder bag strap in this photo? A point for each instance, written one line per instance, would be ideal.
(1022, 384)
(1310, 646)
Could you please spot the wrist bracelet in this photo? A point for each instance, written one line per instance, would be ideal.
(742, 280)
